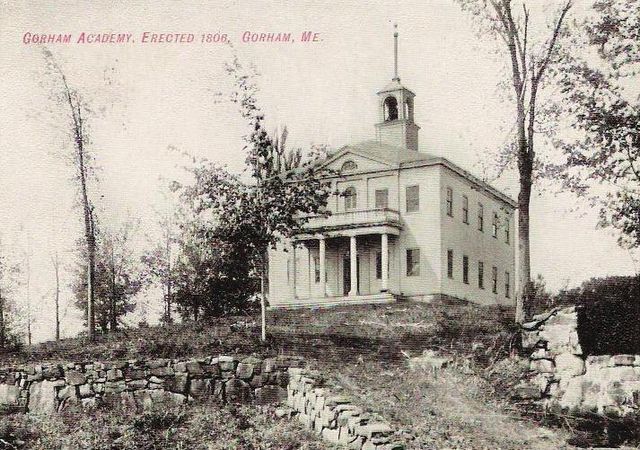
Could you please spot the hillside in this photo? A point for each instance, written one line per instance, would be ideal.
(362, 351)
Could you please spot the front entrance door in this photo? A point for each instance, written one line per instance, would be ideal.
(346, 274)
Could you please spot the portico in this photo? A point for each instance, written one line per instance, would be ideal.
(345, 263)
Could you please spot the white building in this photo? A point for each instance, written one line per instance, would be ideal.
(406, 225)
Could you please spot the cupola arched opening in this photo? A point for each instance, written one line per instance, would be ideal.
(390, 109)
(408, 109)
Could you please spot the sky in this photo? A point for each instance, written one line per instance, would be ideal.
(150, 96)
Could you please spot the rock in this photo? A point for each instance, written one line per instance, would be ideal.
(269, 365)
(237, 391)
(156, 363)
(570, 395)
(623, 360)
(270, 395)
(135, 385)
(167, 398)
(541, 366)
(180, 367)
(114, 387)
(156, 380)
(75, 378)
(526, 391)
(52, 372)
(42, 397)
(429, 360)
(211, 370)
(200, 388)
(284, 412)
(244, 371)
(177, 383)
(226, 363)
(114, 375)
(84, 390)
(162, 371)
(66, 392)
(134, 374)
(193, 367)
(569, 365)
(9, 394)
(541, 353)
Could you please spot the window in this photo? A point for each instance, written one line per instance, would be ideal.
(480, 274)
(465, 209)
(494, 225)
(465, 269)
(379, 266)
(413, 198)
(350, 198)
(507, 232)
(316, 268)
(413, 262)
(507, 285)
(480, 217)
(382, 198)
(494, 280)
(390, 109)
(449, 202)
(450, 263)
(348, 165)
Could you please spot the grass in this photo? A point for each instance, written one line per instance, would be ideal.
(200, 426)
(361, 350)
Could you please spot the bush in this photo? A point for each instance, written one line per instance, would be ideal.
(608, 314)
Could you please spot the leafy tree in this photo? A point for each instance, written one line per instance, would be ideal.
(119, 277)
(600, 96)
(9, 283)
(508, 22)
(252, 217)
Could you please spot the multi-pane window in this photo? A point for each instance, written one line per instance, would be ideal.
(494, 280)
(507, 284)
(449, 202)
(316, 269)
(494, 225)
(413, 198)
(480, 217)
(465, 269)
(481, 274)
(450, 263)
(378, 265)
(507, 232)
(413, 262)
(465, 209)
(350, 198)
(382, 198)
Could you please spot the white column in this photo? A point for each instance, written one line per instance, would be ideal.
(354, 268)
(295, 269)
(323, 273)
(385, 262)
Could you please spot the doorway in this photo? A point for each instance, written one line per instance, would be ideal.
(346, 274)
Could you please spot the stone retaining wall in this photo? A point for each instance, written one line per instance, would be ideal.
(335, 417)
(138, 385)
(565, 379)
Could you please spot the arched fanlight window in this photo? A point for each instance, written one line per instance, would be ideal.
(350, 198)
(390, 109)
(349, 165)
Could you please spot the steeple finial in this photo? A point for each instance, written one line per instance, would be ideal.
(395, 52)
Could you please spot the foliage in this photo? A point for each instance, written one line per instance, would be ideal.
(119, 276)
(600, 96)
(10, 336)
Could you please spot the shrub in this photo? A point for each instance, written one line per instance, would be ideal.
(608, 313)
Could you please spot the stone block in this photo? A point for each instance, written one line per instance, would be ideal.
(330, 435)
(570, 395)
(163, 371)
(42, 397)
(623, 360)
(199, 388)
(193, 368)
(568, 364)
(115, 387)
(244, 371)
(75, 378)
(85, 390)
(114, 375)
(52, 372)
(156, 363)
(270, 395)
(226, 363)
(163, 398)
(66, 392)
(541, 366)
(133, 374)
(237, 391)
(526, 391)
(269, 365)
(9, 394)
(177, 383)
(211, 370)
(530, 339)
(135, 385)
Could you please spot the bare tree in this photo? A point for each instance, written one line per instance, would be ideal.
(77, 109)
(55, 261)
(529, 65)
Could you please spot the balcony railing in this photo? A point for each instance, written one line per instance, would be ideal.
(354, 219)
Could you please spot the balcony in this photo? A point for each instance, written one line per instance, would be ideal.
(355, 219)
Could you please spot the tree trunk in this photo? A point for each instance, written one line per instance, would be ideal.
(2, 326)
(168, 282)
(113, 319)
(523, 297)
(263, 297)
(56, 267)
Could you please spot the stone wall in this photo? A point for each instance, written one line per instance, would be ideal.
(335, 417)
(138, 385)
(565, 379)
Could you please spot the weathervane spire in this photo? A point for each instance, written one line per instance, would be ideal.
(395, 52)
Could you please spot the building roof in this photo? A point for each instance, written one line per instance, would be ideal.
(401, 157)
(394, 85)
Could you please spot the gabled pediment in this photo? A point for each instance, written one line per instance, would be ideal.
(350, 160)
